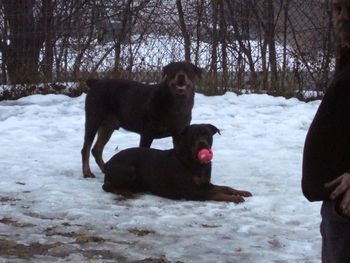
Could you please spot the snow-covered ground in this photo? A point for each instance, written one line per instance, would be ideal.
(50, 213)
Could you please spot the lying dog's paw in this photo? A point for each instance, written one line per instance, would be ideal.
(232, 191)
(237, 199)
(245, 193)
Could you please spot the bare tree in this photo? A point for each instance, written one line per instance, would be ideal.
(242, 43)
(184, 31)
(223, 42)
(84, 37)
(271, 42)
(241, 31)
(26, 33)
(214, 44)
(200, 12)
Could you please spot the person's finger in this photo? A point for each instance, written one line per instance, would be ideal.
(339, 190)
(333, 183)
(345, 204)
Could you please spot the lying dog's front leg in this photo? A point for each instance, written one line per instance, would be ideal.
(215, 193)
(230, 191)
(218, 196)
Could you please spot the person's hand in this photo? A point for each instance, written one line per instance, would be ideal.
(341, 186)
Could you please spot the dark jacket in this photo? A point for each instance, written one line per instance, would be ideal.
(327, 145)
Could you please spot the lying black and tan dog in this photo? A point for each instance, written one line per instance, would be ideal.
(179, 173)
(153, 111)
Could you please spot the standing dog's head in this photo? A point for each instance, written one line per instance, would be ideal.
(180, 76)
(194, 140)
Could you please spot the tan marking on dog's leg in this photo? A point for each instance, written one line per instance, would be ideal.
(231, 191)
(103, 135)
(227, 198)
(85, 152)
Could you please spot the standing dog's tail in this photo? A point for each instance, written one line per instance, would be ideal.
(91, 82)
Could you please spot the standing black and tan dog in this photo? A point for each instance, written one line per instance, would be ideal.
(153, 111)
(178, 173)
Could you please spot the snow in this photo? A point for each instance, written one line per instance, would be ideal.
(259, 150)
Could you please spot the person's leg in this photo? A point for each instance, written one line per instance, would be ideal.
(335, 231)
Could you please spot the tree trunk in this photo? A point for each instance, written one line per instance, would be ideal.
(85, 46)
(185, 34)
(26, 38)
(47, 67)
(223, 40)
(200, 4)
(328, 47)
(270, 38)
(285, 28)
(246, 50)
(126, 17)
(214, 46)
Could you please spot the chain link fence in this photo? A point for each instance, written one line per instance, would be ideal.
(280, 47)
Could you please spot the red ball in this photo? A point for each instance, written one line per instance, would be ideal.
(205, 155)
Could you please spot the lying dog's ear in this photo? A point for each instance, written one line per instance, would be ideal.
(213, 129)
(179, 138)
(184, 130)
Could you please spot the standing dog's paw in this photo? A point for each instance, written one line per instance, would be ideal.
(89, 175)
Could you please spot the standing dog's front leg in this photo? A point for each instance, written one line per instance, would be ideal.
(146, 140)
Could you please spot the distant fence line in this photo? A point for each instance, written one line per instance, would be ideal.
(282, 47)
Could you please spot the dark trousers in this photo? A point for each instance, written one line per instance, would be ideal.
(335, 231)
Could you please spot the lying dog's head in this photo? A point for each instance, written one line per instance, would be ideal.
(180, 76)
(193, 140)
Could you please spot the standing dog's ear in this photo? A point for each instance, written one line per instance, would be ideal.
(164, 76)
(213, 129)
(164, 72)
(197, 71)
